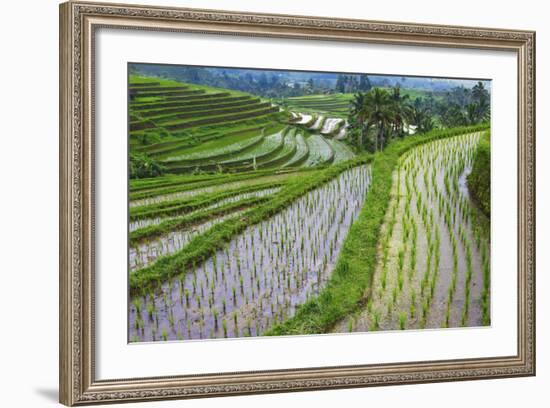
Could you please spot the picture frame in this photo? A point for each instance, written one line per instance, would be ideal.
(79, 22)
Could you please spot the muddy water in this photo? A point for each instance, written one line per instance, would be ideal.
(261, 275)
(137, 224)
(428, 290)
(134, 225)
(330, 124)
(145, 254)
(305, 118)
(317, 124)
(342, 133)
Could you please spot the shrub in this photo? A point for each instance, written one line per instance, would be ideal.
(479, 180)
(142, 166)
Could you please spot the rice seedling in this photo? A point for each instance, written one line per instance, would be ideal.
(350, 325)
(137, 305)
(400, 281)
(402, 320)
(383, 280)
(150, 310)
(375, 322)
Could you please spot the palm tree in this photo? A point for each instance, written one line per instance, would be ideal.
(478, 111)
(426, 124)
(375, 109)
(479, 92)
(422, 119)
(358, 116)
(472, 113)
(401, 111)
(453, 116)
(484, 109)
(378, 104)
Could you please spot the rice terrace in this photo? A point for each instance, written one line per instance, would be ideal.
(265, 202)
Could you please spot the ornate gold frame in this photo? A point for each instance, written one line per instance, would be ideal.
(78, 21)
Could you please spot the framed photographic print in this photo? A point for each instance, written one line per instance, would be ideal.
(261, 203)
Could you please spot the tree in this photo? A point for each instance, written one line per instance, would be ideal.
(142, 166)
(386, 114)
(484, 109)
(364, 83)
(472, 113)
(421, 118)
(194, 74)
(352, 84)
(379, 105)
(453, 116)
(481, 98)
(459, 95)
(340, 84)
(401, 111)
(479, 93)
(358, 117)
(426, 124)
(263, 82)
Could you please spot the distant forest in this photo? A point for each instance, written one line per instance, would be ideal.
(280, 84)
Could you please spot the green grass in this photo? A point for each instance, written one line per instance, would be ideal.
(335, 105)
(163, 142)
(192, 203)
(218, 119)
(186, 221)
(284, 155)
(301, 154)
(206, 111)
(222, 146)
(268, 145)
(163, 82)
(214, 103)
(320, 151)
(146, 187)
(191, 98)
(179, 184)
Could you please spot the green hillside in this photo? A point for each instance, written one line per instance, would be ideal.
(188, 128)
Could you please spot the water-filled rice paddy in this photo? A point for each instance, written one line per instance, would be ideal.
(261, 275)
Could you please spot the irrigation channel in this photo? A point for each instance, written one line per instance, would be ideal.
(261, 275)
(434, 259)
